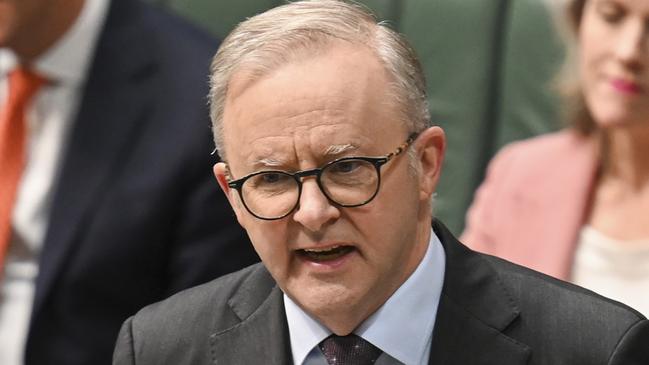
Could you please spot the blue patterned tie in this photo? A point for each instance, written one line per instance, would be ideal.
(349, 350)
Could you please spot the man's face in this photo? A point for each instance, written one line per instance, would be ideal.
(301, 116)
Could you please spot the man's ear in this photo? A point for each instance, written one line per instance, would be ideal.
(221, 172)
(430, 146)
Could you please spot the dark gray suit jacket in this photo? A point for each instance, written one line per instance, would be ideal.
(491, 312)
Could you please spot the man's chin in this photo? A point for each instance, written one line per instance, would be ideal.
(330, 302)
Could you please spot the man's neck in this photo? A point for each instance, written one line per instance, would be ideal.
(46, 31)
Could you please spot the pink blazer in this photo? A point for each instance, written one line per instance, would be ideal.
(533, 202)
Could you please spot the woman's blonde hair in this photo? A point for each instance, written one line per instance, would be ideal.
(576, 110)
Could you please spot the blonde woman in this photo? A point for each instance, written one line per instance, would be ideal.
(575, 204)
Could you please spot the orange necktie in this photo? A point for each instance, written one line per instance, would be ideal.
(23, 84)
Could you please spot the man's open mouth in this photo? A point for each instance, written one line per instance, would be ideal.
(325, 254)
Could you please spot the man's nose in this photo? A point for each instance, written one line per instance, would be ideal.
(314, 210)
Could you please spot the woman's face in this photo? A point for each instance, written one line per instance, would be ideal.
(614, 61)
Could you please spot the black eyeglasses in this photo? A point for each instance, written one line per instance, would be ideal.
(346, 182)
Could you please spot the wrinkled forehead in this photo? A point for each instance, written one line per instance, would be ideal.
(336, 95)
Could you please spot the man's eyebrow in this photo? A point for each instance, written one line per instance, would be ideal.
(338, 149)
(268, 162)
(333, 150)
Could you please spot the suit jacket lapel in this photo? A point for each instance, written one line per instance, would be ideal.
(262, 335)
(473, 311)
(106, 123)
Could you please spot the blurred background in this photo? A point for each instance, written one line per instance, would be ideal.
(489, 64)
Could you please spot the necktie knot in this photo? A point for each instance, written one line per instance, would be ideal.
(23, 84)
(349, 350)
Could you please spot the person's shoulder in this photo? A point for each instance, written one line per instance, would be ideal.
(549, 307)
(548, 147)
(178, 329)
(568, 295)
(200, 308)
(528, 162)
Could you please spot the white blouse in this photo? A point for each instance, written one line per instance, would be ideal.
(615, 269)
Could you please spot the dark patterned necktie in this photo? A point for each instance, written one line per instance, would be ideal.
(349, 350)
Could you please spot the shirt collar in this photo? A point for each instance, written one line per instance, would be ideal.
(68, 59)
(304, 331)
(405, 338)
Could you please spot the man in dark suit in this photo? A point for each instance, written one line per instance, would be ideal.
(116, 207)
(331, 162)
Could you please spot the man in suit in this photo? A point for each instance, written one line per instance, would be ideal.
(330, 165)
(115, 207)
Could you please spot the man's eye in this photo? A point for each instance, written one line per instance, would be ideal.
(345, 167)
(268, 180)
(273, 178)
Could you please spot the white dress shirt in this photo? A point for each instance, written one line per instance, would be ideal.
(49, 121)
(402, 327)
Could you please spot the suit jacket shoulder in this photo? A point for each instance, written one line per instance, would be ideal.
(516, 203)
(495, 312)
(564, 322)
(211, 323)
(544, 150)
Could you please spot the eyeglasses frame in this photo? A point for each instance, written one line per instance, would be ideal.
(377, 162)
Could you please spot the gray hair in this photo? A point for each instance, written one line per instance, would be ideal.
(268, 40)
